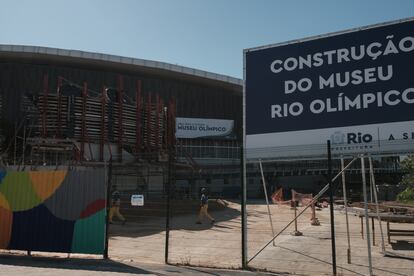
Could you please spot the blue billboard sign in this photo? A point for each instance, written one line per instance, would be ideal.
(355, 88)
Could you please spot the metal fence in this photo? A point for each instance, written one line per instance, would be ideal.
(53, 211)
(279, 237)
(168, 227)
(289, 236)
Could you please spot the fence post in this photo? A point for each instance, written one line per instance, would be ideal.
(108, 205)
(168, 211)
(346, 210)
(331, 208)
(364, 190)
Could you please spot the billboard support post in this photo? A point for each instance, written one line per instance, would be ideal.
(244, 175)
(243, 209)
(331, 202)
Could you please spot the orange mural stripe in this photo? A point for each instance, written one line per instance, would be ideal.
(6, 219)
(45, 183)
(4, 203)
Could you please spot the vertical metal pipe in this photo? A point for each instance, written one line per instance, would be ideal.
(346, 210)
(171, 158)
(372, 177)
(244, 177)
(331, 208)
(267, 200)
(243, 209)
(168, 211)
(108, 178)
(364, 190)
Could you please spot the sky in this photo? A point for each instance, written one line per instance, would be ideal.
(204, 34)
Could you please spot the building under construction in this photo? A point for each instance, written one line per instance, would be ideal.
(72, 108)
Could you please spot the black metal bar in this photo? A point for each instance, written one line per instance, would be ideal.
(243, 206)
(168, 211)
(108, 206)
(331, 208)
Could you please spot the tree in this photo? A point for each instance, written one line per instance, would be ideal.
(407, 166)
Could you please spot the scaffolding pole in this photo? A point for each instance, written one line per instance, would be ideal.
(44, 105)
(149, 128)
(120, 116)
(138, 118)
(157, 123)
(83, 125)
(103, 114)
(59, 112)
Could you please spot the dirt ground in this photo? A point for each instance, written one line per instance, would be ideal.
(219, 245)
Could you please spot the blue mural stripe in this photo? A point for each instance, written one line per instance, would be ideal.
(38, 229)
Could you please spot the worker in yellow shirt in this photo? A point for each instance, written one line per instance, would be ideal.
(115, 204)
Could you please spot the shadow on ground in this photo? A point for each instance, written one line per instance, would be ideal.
(403, 245)
(71, 263)
(156, 224)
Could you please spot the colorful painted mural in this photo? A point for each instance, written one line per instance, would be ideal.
(53, 211)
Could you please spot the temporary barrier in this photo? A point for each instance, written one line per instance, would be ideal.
(53, 211)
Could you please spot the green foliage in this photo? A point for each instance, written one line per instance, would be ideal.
(407, 166)
(406, 196)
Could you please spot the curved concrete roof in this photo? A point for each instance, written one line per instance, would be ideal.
(142, 65)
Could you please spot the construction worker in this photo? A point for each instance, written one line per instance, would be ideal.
(204, 207)
(115, 204)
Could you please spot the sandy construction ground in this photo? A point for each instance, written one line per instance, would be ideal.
(219, 245)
